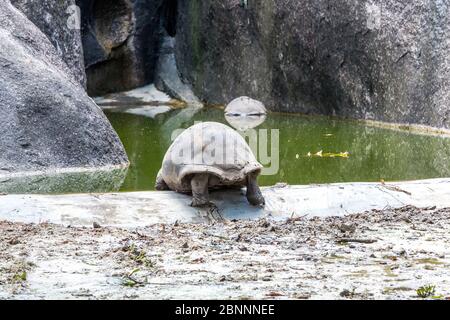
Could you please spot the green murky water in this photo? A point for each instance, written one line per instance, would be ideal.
(374, 153)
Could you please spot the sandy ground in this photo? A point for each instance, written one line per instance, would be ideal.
(386, 254)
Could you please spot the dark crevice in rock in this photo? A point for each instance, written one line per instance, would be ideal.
(169, 17)
(403, 56)
(120, 41)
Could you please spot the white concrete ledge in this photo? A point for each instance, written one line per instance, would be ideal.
(143, 208)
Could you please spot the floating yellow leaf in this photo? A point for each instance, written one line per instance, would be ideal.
(340, 154)
(329, 154)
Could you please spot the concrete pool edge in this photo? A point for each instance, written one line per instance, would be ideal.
(413, 128)
(138, 209)
(58, 171)
(64, 180)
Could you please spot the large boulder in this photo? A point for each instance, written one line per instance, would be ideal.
(120, 40)
(47, 122)
(372, 59)
(59, 20)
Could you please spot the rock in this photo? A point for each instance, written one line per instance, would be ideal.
(96, 225)
(59, 21)
(347, 228)
(381, 60)
(120, 41)
(14, 241)
(47, 121)
(347, 293)
(167, 78)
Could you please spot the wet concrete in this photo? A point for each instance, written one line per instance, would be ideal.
(66, 180)
(137, 209)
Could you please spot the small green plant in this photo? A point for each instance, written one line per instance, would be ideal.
(426, 291)
(20, 276)
(140, 257)
(130, 281)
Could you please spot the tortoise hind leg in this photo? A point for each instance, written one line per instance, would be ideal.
(160, 184)
(254, 195)
(200, 194)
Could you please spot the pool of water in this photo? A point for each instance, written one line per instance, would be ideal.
(351, 151)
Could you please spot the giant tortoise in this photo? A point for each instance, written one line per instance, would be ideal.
(210, 155)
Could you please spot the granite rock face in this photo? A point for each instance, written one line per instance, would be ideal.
(384, 60)
(120, 40)
(59, 20)
(47, 122)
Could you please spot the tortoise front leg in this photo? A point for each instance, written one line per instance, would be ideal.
(199, 185)
(254, 195)
(160, 184)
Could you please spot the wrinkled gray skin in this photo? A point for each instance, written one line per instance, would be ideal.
(200, 193)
